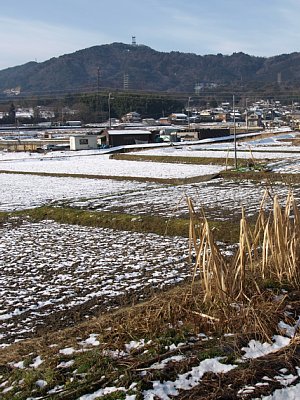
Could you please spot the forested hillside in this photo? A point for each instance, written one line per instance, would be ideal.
(106, 66)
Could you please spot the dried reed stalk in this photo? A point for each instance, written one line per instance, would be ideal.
(271, 251)
(209, 260)
(281, 244)
(251, 155)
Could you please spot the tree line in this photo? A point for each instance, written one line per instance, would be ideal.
(94, 107)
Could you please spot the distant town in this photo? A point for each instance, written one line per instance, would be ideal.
(41, 128)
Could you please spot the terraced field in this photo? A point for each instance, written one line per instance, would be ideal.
(72, 292)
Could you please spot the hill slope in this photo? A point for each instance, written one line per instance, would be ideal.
(147, 69)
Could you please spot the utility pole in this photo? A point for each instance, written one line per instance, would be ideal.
(98, 80)
(98, 108)
(18, 128)
(234, 132)
(188, 110)
(109, 100)
(247, 115)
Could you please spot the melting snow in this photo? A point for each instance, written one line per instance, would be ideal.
(67, 351)
(257, 349)
(47, 268)
(186, 381)
(36, 362)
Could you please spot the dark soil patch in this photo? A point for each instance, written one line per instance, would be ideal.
(230, 386)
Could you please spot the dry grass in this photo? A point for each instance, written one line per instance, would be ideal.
(270, 251)
(168, 318)
(262, 175)
(159, 317)
(225, 295)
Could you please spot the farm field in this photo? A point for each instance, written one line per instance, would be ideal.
(103, 166)
(27, 191)
(221, 199)
(63, 273)
(73, 292)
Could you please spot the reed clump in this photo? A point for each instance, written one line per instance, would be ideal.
(269, 252)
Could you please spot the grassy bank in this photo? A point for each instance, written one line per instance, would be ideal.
(180, 160)
(225, 231)
(260, 176)
(171, 324)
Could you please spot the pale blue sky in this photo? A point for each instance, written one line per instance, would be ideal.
(41, 29)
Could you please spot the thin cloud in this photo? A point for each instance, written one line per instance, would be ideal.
(23, 41)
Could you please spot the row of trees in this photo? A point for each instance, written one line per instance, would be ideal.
(9, 116)
(95, 107)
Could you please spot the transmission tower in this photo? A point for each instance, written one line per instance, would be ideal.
(126, 81)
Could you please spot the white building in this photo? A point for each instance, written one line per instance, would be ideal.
(83, 142)
(24, 113)
(178, 118)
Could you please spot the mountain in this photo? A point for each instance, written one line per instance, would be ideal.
(146, 69)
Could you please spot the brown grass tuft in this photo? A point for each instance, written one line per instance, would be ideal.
(270, 251)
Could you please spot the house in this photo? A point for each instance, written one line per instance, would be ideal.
(24, 113)
(207, 133)
(169, 134)
(178, 118)
(73, 123)
(206, 116)
(122, 137)
(252, 120)
(164, 121)
(132, 117)
(235, 116)
(83, 142)
(187, 134)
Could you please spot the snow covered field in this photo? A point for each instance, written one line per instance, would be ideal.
(223, 152)
(19, 192)
(286, 166)
(70, 258)
(103, 166)
(51, 269)
(17, 156)
(220, 199)
(267, 148)
(27, 191)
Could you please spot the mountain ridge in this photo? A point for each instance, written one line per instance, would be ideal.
(105, 66)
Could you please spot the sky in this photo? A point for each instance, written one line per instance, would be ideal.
(35, 30)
